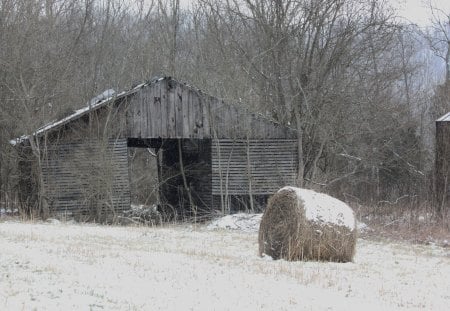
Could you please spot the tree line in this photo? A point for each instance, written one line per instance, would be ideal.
(352, 78)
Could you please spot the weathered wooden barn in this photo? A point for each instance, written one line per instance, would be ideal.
(212, 155)
(442, 163)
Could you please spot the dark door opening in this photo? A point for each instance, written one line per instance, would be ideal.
(173, 173)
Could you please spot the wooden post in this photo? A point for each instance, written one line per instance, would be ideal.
(249, 175)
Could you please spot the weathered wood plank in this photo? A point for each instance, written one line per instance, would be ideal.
(185, 111)
(157, 115)
(163, 121)
(198, 116)
(191, 116)
(179, 131)
(134, 121)
(141, 114)
(145, 94)
(199, 122)
(206, 111)
(149, 99)
(171, 111)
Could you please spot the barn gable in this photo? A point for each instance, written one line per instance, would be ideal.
(167, 108)
(170, 109)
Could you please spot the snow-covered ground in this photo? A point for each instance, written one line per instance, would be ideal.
(60, 266)
(241, 222)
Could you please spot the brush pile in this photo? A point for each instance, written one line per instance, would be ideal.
(300, 224)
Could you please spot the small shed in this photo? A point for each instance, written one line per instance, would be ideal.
(442, 161)
(212, 155)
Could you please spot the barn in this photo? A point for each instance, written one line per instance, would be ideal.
(211, 155)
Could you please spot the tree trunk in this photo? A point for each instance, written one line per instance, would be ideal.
(301, 165)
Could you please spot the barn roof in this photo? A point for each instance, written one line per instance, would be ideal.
(444, 118)
(105, 98)
(95, 103)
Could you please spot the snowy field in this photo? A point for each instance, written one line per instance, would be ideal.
(61, 266)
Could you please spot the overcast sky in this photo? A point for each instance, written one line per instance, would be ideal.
(415, 11)
(418, 11)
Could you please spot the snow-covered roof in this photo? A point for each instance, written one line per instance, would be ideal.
(444, 118)
(95, 103)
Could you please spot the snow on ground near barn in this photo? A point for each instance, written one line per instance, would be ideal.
(58, 266)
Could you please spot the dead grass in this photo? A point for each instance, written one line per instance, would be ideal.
(413, 224)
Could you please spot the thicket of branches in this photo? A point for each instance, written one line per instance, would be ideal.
(347, 74)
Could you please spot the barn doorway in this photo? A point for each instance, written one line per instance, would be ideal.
(175, 174)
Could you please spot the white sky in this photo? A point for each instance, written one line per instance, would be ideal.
(418, 11)
(415, 11)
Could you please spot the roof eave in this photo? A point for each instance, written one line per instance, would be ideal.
(444, 118)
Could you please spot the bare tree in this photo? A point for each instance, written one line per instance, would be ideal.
(343, 73)
(311, 65)
(439, 37)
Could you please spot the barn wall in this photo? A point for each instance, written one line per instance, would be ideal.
(169, 109)
(442, 167)
(257, 166)
(74, 163)
(87, 177)
(28, 184)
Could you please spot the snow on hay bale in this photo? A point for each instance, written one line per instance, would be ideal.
(300, 224)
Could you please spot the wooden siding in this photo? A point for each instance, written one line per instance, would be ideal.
(262, 166)
(169, 109)
(79, 175)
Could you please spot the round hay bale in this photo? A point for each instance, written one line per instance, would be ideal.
(301, 224)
